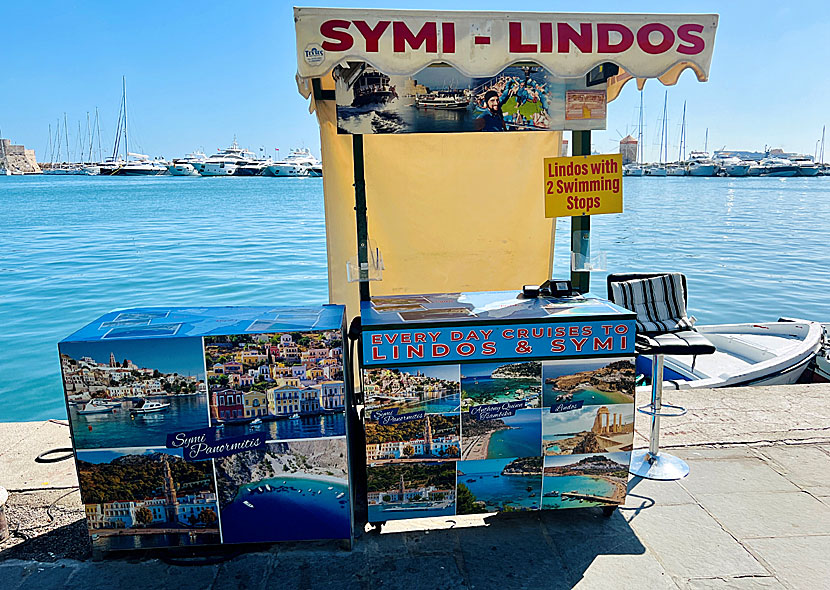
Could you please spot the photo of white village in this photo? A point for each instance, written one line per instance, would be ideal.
(261, 377)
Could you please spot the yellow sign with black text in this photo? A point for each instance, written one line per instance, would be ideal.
(583, 185)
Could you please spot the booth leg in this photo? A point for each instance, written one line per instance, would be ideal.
(652, 464)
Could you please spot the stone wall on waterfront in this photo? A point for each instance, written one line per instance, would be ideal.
(17, 158)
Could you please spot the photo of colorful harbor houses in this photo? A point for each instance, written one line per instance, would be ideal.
(435, 437)
(590, 381)
(296, 490)
(139, 498)
(410, 490)
(578, 481)
(432, 389)
(490, 383)
(499, 485)
(590, 429)
(288, 384)
(133, 393)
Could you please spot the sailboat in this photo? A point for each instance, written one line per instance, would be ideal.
(635, 168)
(679, 168)
(659, 169)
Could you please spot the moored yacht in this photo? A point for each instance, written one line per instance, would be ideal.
(676, 169)
(633, 170)
(185, 166)
(142, 166)
(299, 162)
(700, 164)
(225, 162)
(656, 170)
(778, 167)
(806, 166)
(732, 166)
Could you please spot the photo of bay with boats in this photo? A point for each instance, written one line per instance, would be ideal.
(751, 248)
(499, 485)
(595, 381)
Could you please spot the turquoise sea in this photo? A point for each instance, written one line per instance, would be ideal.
(497, 491)
(72, 248)
(522, 439)
(583, 484)
(485, 390)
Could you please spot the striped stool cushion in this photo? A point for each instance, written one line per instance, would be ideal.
(658, 302)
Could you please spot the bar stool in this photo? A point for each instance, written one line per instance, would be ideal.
(659, 300)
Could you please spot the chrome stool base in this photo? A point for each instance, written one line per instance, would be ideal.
(662, 467)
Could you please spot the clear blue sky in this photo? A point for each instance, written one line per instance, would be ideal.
(198, 74)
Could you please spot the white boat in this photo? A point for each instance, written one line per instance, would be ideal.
(676, 169)
(92, 408)
(225, 162)
(299, 162)
(778, 167)
(142, 165)
(732, 166)
(104, 403)
(256, 422)
(253, 168)
(149, 407)
(447, 100)
(774, 353)
(700, 164)
(756, 169)
(185, 166)
(633, 170)
(806, 166)
(248, 504)
(656, 170)
(294, 417)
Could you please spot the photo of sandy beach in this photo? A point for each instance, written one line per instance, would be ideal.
(490, 383)
(591, 381)
(509, 436)
(590, 429)
(432, 389)
(579, 481)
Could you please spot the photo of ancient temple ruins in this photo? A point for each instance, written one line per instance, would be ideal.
(590, 429)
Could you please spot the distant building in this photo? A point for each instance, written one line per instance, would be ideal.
(628, 149)
(17, 159)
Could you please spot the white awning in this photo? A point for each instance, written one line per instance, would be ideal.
(481, 44)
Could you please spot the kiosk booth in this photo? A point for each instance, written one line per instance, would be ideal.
(441, 138)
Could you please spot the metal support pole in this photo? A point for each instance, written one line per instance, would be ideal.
(652, 464)
(360, 214)
(581, 280)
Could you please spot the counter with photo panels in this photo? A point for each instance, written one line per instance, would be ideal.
(209, 425)
(482, 402)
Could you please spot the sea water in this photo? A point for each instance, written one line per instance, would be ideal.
(73, 248)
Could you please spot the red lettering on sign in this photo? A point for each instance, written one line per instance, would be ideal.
(546, 37)
(472, 335)
(488, 348)
(420, 337)
(507, 334)
(537, 332)
(439, 350)
(406, 338)
(604, 44)
(376, 355)
(448, 37)
(606, 344)
(565, 35)
(645, 43)
(434, 335)
(402, 36)
(415, 351)
(515, 40)
(557, 345)
(465, 349)
(578, 344)
(486, 333)
(454, 335)
(377, 339)
(686, 34)
(372, 35)
(331, 30)
(390, 338)
(522, 333)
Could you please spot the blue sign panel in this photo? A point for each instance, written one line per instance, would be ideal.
(493, 342)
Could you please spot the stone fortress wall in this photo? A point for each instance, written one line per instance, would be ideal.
(16, 158)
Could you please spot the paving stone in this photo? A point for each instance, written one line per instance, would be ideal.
(713, 476)
(625, 571)
(805, 466)
(691, 544)
(38, 576)
(730, 452)
(662, 493)
(246, 572)
(768, 514)
(748, 583)
(147, 574)
(800, 562)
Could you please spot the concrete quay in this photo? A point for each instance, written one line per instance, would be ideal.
(753, 513)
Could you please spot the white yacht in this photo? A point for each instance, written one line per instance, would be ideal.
(656, 170)
(299, 162)
(778, 167)
(700, 164)
(225, 162)
(676, 169)
(142, 165)
(633, 170)
(732, 166)
(806, 166)
(253, 168)
(756, 169)
(185, 166)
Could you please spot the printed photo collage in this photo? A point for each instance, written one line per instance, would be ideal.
(125, 397)
(497, 437)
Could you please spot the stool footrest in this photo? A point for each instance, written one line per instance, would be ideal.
(660, 466)
(649, 409)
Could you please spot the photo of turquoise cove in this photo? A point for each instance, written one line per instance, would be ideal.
(432, 389)
(490, 383)
(499, 485)
(590, 381)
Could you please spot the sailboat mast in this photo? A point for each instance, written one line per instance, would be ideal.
(663, 134)
(50, 147)
(821, 153)
(681, 150)
(98, 131)
(706, 142)
(91, 138)
(124, 103)
(640, 132)
(66, 135)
